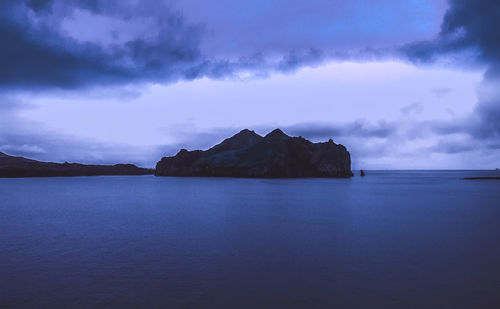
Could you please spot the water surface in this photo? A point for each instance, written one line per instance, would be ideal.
(404, 239)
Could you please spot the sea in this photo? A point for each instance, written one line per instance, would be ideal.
(391, 239)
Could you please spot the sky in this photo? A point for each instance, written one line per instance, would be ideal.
(403, 84)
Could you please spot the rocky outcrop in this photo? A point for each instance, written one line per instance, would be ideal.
(248, 154)
(21, 167)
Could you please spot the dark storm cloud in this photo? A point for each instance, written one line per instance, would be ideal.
(476, 24)
(480, 22)
(470, 31)
(35, 54)
(295, 60)
(489, 113)
(260, 35)
(468, 25)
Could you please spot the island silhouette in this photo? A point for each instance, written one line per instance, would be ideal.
(247, 154)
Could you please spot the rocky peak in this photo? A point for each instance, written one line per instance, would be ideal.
(246, 134)
(276, 134)
(244, 138)
(246, 131)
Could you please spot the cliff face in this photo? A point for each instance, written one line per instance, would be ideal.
(21, 167)
(248, 154)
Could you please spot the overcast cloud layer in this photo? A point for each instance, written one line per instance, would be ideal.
(55, 43)
(55, 47)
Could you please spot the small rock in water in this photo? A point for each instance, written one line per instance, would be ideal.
(362, 173)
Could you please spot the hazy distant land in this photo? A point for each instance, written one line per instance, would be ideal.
(11, 166)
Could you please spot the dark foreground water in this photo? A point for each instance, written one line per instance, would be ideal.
(389, 240)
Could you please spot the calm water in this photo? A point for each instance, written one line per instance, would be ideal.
(389, 240)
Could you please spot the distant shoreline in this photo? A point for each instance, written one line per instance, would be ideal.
(20, 167)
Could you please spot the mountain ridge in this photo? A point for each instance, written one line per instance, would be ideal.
(247, 154)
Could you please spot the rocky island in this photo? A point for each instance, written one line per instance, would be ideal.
(248, 154)
(22, 167)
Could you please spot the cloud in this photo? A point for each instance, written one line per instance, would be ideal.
(488, 111)
(394, 144)
(453, 147)
(79, 43)
(36, 54)
(22, 137)
(42, 51)
(441, 92)
(295, 60)
(407, 144)
(359, 128)
(414, 108)
(470, 32)
(280, 26)
(479, 21)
